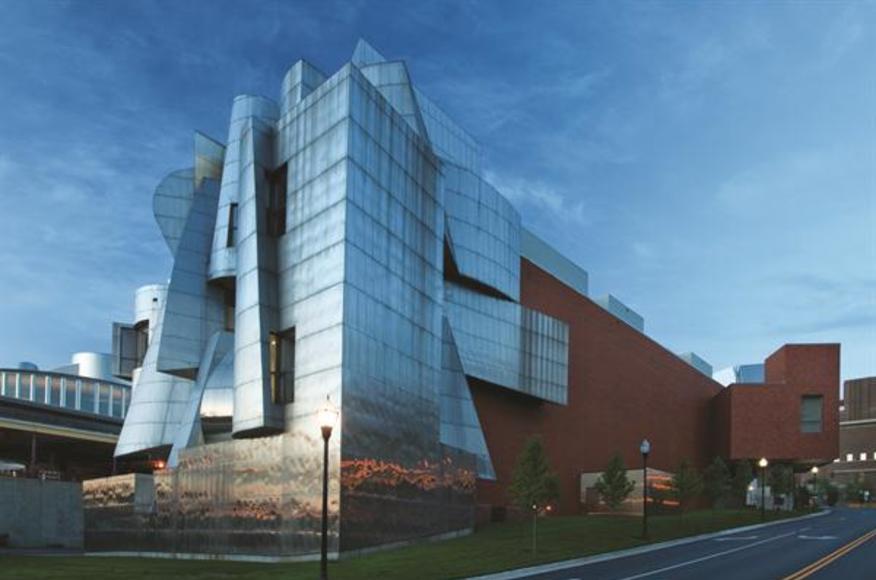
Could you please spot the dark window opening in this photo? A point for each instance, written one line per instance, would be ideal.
(232, 225)
(281, 349)
(810, 413)
(129, 347)
(230, 300)
(277, 201)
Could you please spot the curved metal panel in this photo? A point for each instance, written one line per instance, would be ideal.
(223, 258)
(158, 402)
(256, 310)
(171, 204)
(148, 301)
(192, 310)
(300, 80)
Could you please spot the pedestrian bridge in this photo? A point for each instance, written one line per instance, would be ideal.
(43, 413)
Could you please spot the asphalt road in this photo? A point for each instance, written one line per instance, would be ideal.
(817, 548)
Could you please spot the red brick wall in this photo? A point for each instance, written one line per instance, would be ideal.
(623, 386)
(764, 420)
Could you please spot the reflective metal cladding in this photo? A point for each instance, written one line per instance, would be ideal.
(344, 244)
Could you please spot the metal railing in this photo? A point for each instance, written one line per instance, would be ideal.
(87, 395)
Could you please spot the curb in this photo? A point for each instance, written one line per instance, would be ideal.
(564, 564)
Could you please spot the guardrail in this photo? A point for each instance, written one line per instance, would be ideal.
(95, 396)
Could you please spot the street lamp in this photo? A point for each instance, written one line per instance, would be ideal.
(814, 472)
(328, 416)
(645, 449)
(763, 465)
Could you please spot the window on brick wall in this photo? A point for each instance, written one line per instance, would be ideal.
(810, 413)
(862, 457)
(850, 457)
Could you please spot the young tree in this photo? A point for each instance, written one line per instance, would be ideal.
(686, 484)
(780, 478)
(742, 476)
(533, 485)
(613, 485)
(717, 481)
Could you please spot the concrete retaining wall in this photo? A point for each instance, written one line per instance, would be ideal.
(38, 514)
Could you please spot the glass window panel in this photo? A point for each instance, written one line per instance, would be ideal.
(810, 414)
(24, 386)
(69, 393)
(104, 400)
(39, 389)
(117, 401)
(55, 391)
(87, 397)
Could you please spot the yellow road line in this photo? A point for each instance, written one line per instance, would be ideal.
(832, 557)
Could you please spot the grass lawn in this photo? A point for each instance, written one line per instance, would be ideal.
(496, 547)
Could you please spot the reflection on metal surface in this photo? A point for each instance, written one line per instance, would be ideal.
(509, 345)
(460, 426)
(324, 220)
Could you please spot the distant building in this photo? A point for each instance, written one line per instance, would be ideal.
(697, 362)
(743, 374)
(857, 436)
(621, 311)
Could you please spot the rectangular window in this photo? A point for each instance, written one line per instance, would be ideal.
(24, 383)
(39, 389)
(232, 226)
(850, 457)
(55, 392)
(230, 299)
(282, 366)
(69, 393)
(116, 409)
(277, 202)
(104, 402)
(88, 397)
(862, 457)
(810, 413)
(129, 347)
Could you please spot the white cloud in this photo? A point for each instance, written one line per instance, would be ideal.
(546, 200)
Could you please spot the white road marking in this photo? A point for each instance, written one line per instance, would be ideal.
(804, 537)
(710, 556)
(737, 539)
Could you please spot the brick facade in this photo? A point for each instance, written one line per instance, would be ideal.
(624, 386)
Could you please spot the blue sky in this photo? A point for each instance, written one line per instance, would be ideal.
(711, 164)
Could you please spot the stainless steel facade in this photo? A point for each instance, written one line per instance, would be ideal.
(341, 244)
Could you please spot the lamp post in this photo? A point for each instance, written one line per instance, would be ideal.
(645, 449)
(814, 472)
(763, 465)
(328, 416)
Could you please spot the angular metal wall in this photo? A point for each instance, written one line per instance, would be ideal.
(509, 345)
(256, 309)
(378, 181)
(484, 231)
